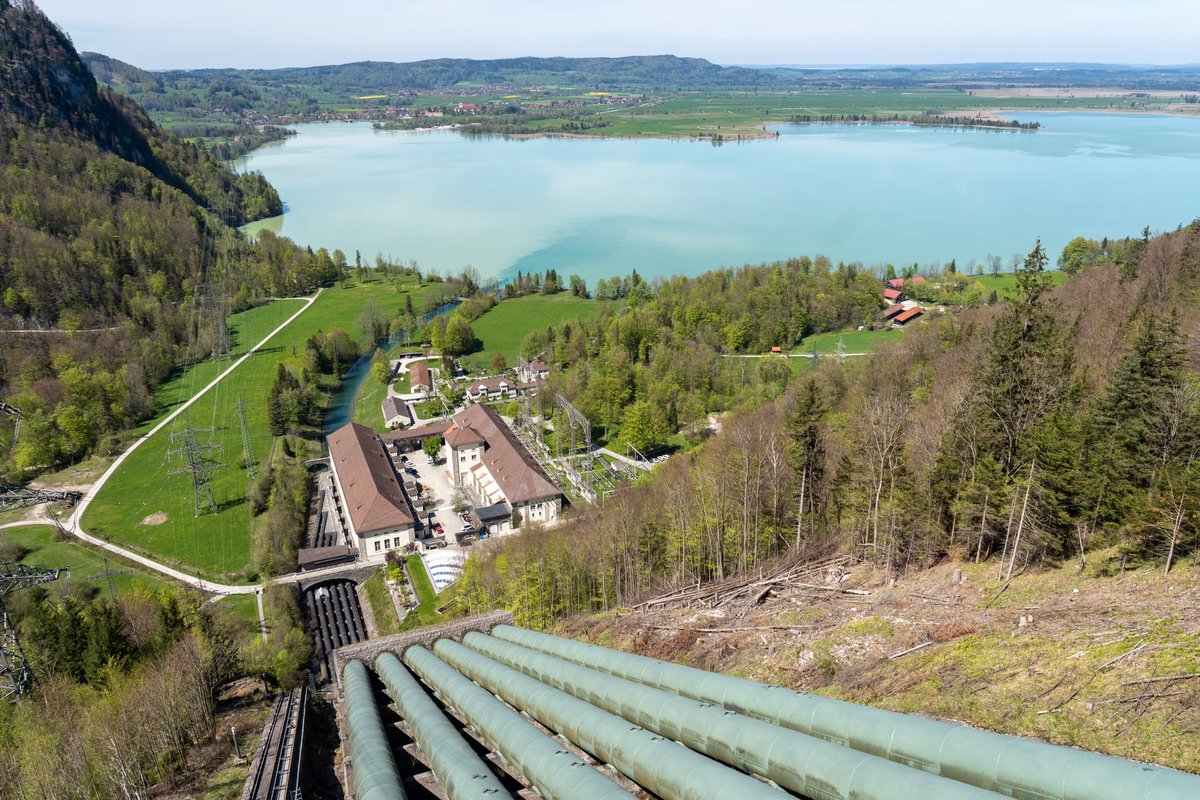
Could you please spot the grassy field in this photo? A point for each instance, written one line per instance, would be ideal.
(733, 114)
(45, 550)
(368, 408)
(245, 606)
(854, 341)
(246, 329)
(425, 613)
(502, 329)
(146, 508)
(380, 600)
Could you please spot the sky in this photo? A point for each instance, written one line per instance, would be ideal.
(162, 34)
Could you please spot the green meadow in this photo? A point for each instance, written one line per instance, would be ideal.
(731, 114)
(44, 547)
(505, 326)
(147, 508)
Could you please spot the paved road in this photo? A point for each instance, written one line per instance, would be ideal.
(74, 524)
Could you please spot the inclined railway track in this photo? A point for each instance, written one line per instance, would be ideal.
(275, 774)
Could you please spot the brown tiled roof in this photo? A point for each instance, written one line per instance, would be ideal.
(371, 493)
(310, 557)
(393, 406)
(491, 384)
(418, 374)
(514, 469)
(436, 428)
(892, 311)
(463, 436)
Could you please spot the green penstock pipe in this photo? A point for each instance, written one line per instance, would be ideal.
(1016, 767)
(458, 768)
(667, 769)
(556, 772)
(810, 767)
(375, 773)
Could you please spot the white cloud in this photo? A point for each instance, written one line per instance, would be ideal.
(268, 33)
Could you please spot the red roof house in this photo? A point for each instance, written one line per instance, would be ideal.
(893, 295)
(892, 311)
(908, 316)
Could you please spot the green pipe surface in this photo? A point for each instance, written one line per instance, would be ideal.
(556, 772)
(812, 767)
(375, 773)
(1021, 768)
(458, 768)
(663, 767)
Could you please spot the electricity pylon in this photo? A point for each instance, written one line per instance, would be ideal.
(16, 678)
(108, 574)
(196, 464)
(15, 413)
(251, 465)
(14, 497)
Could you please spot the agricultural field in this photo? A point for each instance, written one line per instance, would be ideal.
(971, 290)
(733, 114)
(502, 329)
(148, 509)
(43, 546)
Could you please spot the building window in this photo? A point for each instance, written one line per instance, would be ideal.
(377, 547)
(474, 456)
(387, 544)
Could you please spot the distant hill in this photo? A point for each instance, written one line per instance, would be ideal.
(118, 74)
(628, 72)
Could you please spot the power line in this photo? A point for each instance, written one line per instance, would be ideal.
(196, 463)
(251, 465)
(109, 574)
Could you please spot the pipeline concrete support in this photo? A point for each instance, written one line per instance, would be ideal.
(460, 771)
(812, 767)
(556, 772)
(1016, 767)
(663, 767)
(375, 774)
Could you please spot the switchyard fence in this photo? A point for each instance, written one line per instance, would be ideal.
(574, 720)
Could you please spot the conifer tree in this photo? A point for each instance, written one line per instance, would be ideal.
(806, 452)
(1024, 369)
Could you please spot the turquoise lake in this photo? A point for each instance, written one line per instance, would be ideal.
(600, 207)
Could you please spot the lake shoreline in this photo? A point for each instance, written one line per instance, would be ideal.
(763, 129)
(863, 193)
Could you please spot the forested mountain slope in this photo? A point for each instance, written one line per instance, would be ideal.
(108, 222)
(1062, 422)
